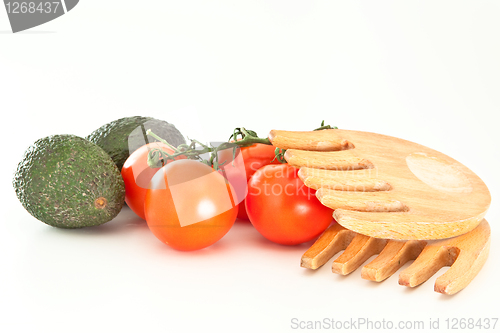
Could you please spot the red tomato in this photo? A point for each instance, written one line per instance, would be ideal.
(189, 206)
(282, 208)
(255, 157)
(137, 174)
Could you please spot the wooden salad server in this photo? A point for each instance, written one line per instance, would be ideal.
(385, 187)
(466, 254)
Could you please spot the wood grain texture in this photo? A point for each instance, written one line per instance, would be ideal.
(360, 201)
(393, 257)
(333, 240)
(416, 193)
(342, 160)
(466, 254)
(355, 180)
(314, 140)
(359, 250)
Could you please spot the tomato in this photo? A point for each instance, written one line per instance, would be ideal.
(137, 174)
(282, 208)
(189, 206)
(255, 157)
(238, 171)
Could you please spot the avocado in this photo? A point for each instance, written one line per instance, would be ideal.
(68, 182)
(122, 137)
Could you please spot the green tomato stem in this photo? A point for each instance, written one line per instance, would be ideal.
(157, 157)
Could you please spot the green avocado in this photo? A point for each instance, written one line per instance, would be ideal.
(122, 137)
(68, 182)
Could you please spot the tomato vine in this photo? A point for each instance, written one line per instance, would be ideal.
(241, 137)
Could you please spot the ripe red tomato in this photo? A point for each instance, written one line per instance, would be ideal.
(282, 208)
(137, 174)
(255, 157)
(189, 206)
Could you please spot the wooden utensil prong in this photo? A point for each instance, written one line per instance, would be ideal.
(325, 140)
(431, 260)
(473, 248)
(462, 271)
(360, 201)
(394, 255)
(337, 160)
(352, 180)
(359, 250)
(333, 240)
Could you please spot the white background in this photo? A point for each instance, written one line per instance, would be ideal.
(425, 71)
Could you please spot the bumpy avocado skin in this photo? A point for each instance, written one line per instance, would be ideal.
(115, 136)
(68, 182)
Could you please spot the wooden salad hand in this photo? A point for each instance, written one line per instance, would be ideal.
(386, 187)
(466, 254)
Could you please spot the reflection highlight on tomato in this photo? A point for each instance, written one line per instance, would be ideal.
(282, 208)
(137, 174)
(255, 157)
(189, 206)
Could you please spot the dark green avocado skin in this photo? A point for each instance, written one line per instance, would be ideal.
(68, 182)
(117, 136)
